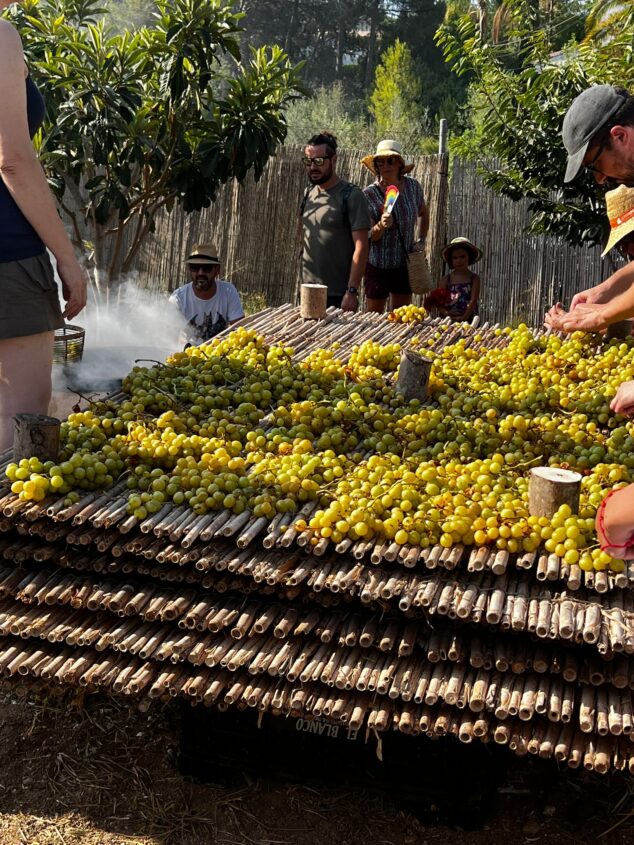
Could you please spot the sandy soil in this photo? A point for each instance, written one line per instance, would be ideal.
(99, 772)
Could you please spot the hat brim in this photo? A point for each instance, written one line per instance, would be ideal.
(575, 163)
(474, 253)
(202, 259)
(368, 161)
(617, 235)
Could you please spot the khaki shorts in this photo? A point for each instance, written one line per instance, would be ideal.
(29, 297)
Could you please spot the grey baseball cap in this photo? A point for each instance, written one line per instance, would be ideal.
(589, 112)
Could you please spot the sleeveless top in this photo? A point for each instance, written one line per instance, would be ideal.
(18, 239)
(460, 295)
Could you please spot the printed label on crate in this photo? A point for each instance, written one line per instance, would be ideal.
(325, 728)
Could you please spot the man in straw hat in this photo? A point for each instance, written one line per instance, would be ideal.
(208, 303)
(335, 222)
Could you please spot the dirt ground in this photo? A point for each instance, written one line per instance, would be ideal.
(100, 772)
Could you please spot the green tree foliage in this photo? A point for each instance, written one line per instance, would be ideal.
(608, 19)
(141, 121)
(329, 108)
(395, 97)
(517, 114)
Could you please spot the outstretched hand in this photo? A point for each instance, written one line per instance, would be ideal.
(585, 317)
(623, 402)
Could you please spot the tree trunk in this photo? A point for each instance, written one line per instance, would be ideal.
(290, 32)
(370, 59)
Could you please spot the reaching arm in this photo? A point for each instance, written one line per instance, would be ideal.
(596, 308)
(423, 223)
(22, 173)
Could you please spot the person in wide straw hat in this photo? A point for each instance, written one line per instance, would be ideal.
(460, 288)
(395, 233)
(593, 310)
(208, 304)
(620, 207)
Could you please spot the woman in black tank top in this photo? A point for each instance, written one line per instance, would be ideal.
(29, 225)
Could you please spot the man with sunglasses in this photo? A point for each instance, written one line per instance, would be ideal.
(598, 133)
(208, 303)
(335, 222)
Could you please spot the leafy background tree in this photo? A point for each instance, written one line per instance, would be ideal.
(517, 109)
(140, 121)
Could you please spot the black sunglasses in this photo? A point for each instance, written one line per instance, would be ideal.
(316, 160)
(196, 267)
(386, 160)
(591, 164)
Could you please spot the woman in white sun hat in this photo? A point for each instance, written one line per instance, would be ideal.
(392, 235)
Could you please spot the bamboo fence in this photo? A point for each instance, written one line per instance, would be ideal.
(256, 226)
(228, 610)
(522, 275)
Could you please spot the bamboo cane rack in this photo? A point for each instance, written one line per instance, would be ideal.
(225, 610)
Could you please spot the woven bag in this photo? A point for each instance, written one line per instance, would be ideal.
(418, 272)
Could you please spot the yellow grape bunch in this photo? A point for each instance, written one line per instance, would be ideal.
(408, 314)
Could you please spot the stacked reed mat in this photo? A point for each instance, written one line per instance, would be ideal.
(520, 650)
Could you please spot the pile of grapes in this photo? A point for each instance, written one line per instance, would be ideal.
(239, 425)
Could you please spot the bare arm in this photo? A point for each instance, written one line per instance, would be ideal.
(423, 223)
(22, 173)
(350, 301)
(475, 294)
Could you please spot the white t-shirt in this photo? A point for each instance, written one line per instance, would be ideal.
(207, 317)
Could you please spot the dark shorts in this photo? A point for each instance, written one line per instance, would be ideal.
(30, 301)
(380, 283)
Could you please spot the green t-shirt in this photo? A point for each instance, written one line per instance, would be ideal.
(328, 244)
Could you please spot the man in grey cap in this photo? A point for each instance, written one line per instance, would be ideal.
(598, 133)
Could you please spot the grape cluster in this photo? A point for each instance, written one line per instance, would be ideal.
(239, 425)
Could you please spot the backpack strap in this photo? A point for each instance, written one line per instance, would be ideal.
(302, 206)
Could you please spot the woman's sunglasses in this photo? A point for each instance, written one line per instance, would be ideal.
(389, 160)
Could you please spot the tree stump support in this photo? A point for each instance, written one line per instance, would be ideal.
(550, 487)
(313, 302)
(413, 376)
(36, 435)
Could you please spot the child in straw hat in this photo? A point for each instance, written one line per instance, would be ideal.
(461, 284)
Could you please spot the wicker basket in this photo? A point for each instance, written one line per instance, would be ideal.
(68, 345)
(418, 273)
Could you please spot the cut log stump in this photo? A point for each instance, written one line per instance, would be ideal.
(36, 435)
(549, 488)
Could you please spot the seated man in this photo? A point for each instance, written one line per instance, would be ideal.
(208, 303)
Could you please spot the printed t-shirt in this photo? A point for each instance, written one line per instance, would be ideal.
(207, 317)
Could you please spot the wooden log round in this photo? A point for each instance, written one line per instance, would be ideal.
(36, 435)
(413, 375)
(549, 488)
(313, 301)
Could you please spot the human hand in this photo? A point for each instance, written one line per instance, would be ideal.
(623, 402)
(387, 220)
(615, 530)
(350, 302)
(74, 287)
(592, 296)
(584, 318)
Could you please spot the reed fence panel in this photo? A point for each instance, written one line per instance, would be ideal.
(522, 275)
(256, 226)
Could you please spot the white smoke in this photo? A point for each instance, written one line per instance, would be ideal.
(135, 324)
